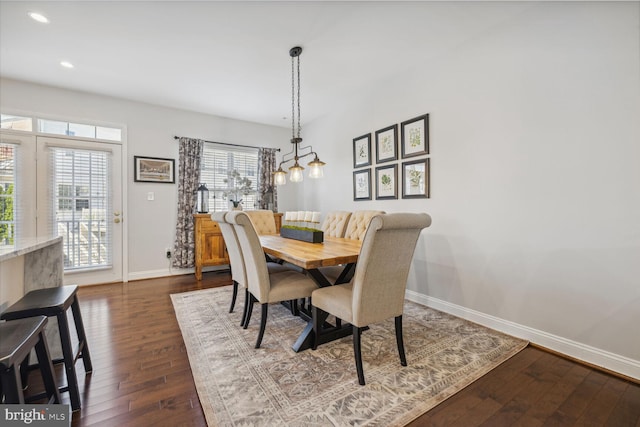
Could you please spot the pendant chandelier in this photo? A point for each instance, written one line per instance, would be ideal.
(315, 171)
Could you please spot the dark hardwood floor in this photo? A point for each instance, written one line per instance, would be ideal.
(142, 376)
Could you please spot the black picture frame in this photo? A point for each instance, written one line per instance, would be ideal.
(387, 182)
(154, 169)
(416, 180)
(362, 184)
(415, 136)
(362, 151)
(387, 144)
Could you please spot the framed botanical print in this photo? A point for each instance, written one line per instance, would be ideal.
(415, 136)
(387, 182)
(362, 151)
(362, 184)
(387, 144)
(415, 179)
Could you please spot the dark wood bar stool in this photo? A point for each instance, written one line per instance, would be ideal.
(19, 337)
(55, 302)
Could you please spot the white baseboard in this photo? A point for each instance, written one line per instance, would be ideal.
(152, 274)
(588, 354)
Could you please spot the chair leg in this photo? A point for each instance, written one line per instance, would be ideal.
(12, 386)
(69, 361)
(82, 336)
(247, 296)
(263, 324)
(249, 311)
(400, 341)
(46, 369)
(233, 297)
(315, 314)
(357, 353)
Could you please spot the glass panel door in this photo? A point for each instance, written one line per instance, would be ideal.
(79, 197)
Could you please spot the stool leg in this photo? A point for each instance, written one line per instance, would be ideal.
(12, 385)
(46, 369)
(24, 371)
(70, 369)
(82, 337)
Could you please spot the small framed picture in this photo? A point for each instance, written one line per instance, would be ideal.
(415, 179)
(362, 184)
(362, 151)
(387, 144)
(387, 182)
(415, 136)
(153, 169)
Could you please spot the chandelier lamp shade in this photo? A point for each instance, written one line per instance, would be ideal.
(298, 152)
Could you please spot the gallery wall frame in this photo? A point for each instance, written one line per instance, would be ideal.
(415, 179)
(362, 184)
(154, 169)
(387, 182)
(362, 151)
(387, 144)
(415, 136)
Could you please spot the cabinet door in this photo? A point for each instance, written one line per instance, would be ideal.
(212, 244)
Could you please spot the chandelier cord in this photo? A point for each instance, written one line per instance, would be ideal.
(293, 100)
(299, 126)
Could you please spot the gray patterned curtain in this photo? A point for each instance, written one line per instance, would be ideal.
(188, 177)
(267, 194)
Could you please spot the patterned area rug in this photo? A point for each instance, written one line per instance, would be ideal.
(274, 386)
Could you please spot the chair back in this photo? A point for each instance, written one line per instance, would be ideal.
(358, 224)
(381, 274)
(263, 221)
(236, 260)
(335, 223)
(258, 281)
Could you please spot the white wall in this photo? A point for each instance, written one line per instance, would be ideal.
(150, 132)
(535, 184)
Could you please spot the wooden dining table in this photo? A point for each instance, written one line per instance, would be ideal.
(309, 257)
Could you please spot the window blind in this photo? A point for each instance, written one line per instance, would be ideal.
(81, 205)
(217, 164)
(9, 206)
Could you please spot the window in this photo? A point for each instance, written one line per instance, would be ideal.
(217, 166)
(16, 122)
(80, 179)
(77, 129)
(7, 194)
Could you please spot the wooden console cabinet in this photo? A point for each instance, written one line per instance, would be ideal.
(210, 247)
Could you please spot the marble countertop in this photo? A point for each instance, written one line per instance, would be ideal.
(27, 245)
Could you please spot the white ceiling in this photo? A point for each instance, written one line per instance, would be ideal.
(232, 58)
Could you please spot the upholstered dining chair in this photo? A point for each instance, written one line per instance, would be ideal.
(335, 223)
(358, 223)
(263, 221)
(263, 287)
(377, 290)
(356, 228)
(236, 262)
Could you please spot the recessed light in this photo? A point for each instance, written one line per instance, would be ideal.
(66, 64)
(38, 17)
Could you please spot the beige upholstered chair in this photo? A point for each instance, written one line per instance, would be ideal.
(356, 227)
(377, 290)
(335, 223)
(358, 224)
(263, 221)
(236, 262)
(263, 287)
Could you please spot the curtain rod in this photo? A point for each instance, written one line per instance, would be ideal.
(227, 143)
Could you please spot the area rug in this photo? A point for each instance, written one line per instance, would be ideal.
(274, 386)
